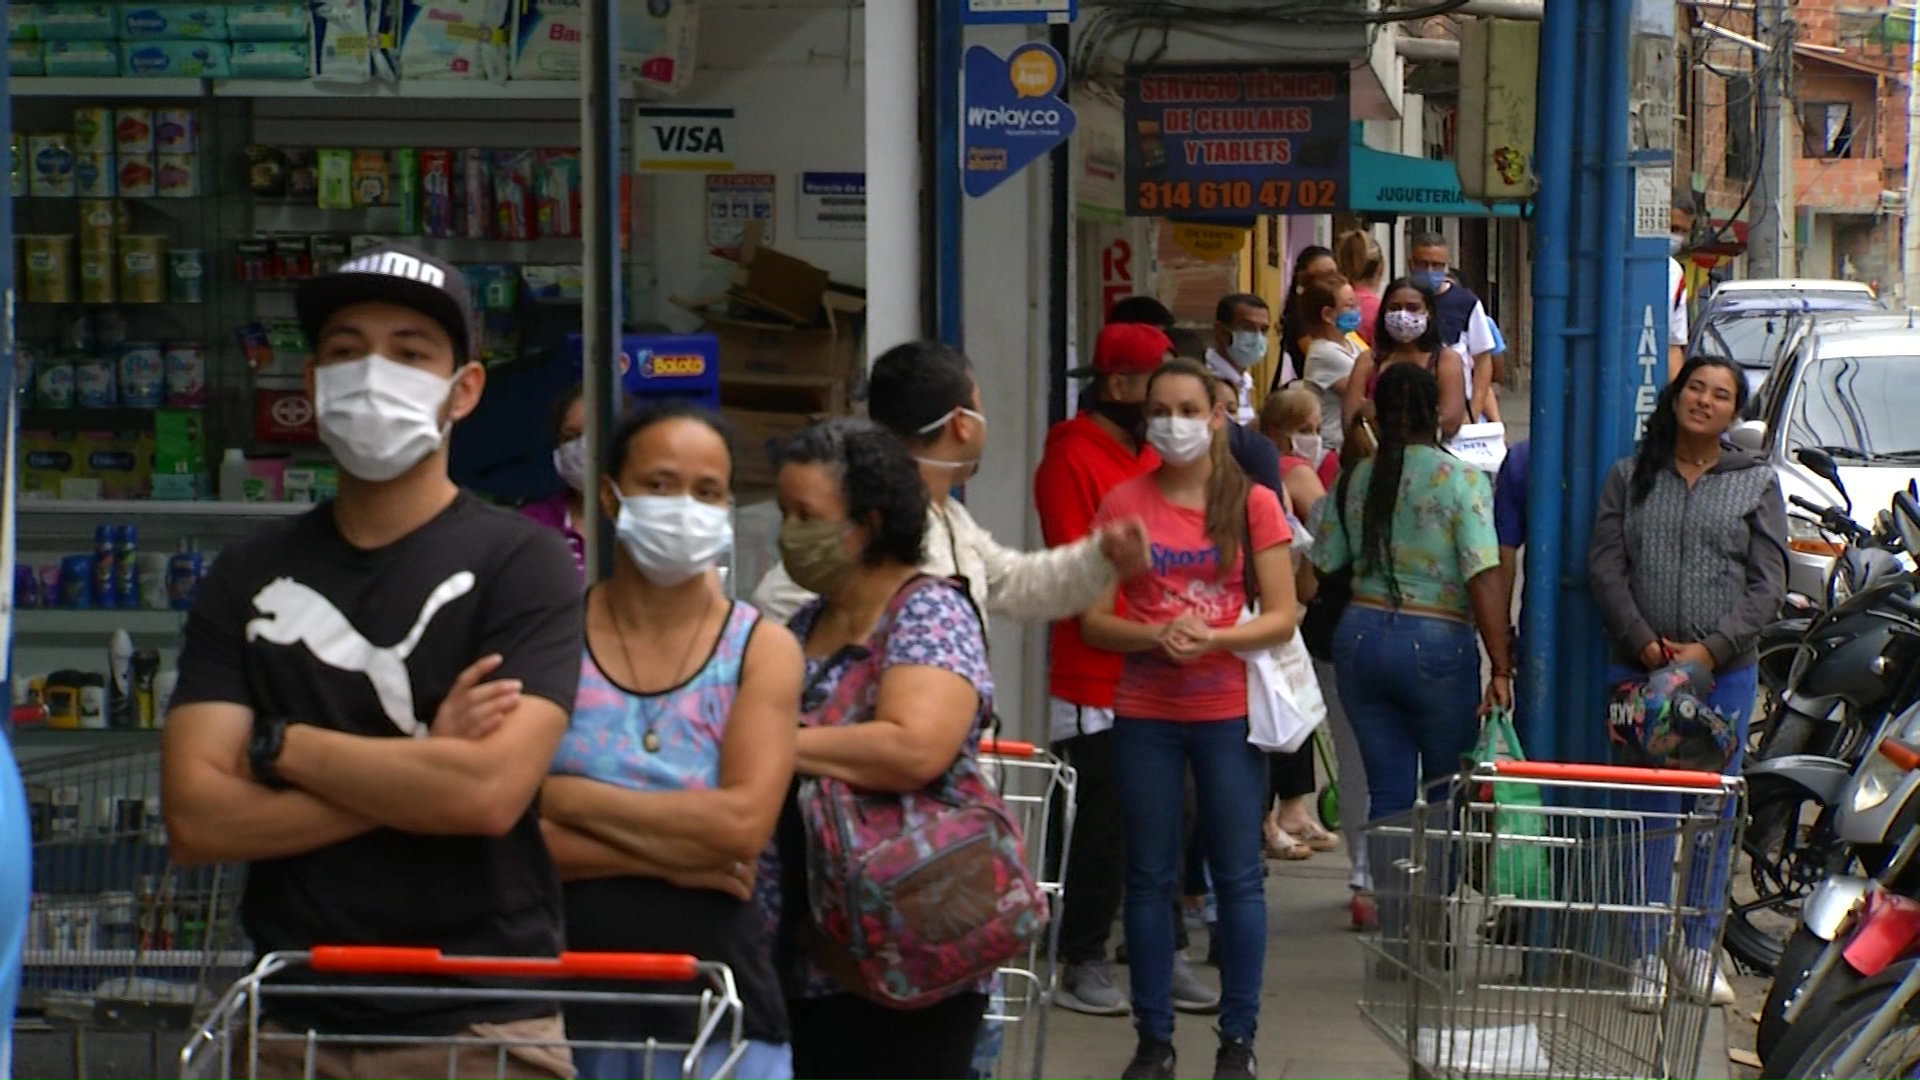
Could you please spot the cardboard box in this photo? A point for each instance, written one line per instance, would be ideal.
(757, 437)
(750, 346)
(812, 394)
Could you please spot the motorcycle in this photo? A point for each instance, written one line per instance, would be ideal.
(1852, 928)
(1855, 664)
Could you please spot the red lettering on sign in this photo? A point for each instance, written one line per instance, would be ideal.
(1116, 275)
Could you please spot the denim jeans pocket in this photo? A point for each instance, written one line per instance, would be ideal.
(1443, 656)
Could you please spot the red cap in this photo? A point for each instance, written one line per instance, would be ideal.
(1126, 349)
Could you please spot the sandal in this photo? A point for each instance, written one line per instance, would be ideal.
(1317, 838)
(1282, 845)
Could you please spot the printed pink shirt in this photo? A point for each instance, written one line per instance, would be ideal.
(1184, 575)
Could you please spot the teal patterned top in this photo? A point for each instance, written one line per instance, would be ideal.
(1442, 532)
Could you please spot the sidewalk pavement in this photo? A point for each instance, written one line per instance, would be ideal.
(1310, 1023)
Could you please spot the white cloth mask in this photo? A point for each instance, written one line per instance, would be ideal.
(1308, 447)
(1406, 326)
(672, 538)
(1180, 440)
(380, 418)
(570, 461)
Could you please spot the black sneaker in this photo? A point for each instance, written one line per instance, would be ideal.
(1234, 1061)
(1152, 1061)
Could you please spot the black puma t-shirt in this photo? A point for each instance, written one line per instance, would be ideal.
(297, 623)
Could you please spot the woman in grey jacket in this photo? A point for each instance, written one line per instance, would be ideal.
(1688, 562)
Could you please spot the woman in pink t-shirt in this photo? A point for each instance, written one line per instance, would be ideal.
(1182, 703)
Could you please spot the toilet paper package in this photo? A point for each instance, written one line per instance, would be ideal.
(657, 39)
(285, 20)
(70, 22)
(87, 59)
(453, 39)
(26, 58)
(177, 59)
(346, 42)
(21, 25)
(271, 59)
(173, 22)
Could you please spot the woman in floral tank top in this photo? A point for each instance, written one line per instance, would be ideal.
(670, 778)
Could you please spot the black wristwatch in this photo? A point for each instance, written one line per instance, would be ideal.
(263, 752)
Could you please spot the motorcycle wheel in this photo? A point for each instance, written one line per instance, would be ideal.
(1785, 856)
(1789, 975)
(1896, 1055)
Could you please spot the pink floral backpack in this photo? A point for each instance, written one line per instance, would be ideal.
(914, 897)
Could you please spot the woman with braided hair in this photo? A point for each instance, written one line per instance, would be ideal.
(1417, 531)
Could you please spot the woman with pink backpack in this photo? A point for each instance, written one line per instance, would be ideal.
(902, 883)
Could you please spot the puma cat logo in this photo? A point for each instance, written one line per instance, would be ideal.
(293, 614)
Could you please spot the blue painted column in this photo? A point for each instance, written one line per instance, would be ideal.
(949, 37)
(1599, 276)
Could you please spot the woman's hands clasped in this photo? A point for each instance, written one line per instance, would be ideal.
(1186, 639)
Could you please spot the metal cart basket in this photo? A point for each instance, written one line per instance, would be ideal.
(236, 1042)
(1552, 921)
(118, 937)
(1038, 789)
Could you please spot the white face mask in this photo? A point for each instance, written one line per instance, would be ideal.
(570, 461)
(1404, 326)
(1308, 446)
(672, 538)
(964, 470)
(1249, 348)
(380, 418)
(1180, 440)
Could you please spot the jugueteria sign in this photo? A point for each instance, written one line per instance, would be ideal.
(1236, 140)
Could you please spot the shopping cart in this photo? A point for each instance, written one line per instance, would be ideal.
(1038, 789)
(118, 937)
(234, 1039)
(1574, 938)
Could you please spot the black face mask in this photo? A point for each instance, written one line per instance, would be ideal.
(1128, 416)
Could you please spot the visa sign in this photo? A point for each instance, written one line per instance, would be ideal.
(1011, 113)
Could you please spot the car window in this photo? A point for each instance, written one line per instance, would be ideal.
(1858, 408)
(1750, 340)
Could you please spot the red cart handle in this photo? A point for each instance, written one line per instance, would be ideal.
(1005, 748)
(1608, 774)
(400, 960)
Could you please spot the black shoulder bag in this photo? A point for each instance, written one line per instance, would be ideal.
(1335, 589)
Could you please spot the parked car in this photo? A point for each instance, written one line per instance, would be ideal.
(1850, 385)
(1748, 321)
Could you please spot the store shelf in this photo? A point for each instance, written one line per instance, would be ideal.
(123, 508)
(96, 622)
(405, 89)
(169, 958)
(71, 739)
(43, 86)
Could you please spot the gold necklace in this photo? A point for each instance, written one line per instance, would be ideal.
(650, 739)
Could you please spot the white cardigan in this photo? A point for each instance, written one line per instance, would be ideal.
(1038, 586)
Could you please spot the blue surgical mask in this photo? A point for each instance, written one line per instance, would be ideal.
(1347, 321)
(1249, 348)
(1430, 280)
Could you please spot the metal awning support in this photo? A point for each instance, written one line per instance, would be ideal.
(1530, 10)
(1441, 50)
(600, 230)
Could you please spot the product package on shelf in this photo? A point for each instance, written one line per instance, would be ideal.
(61, 22)
(173, 22)
(271, 59)
(282, 21)
(26, 59)
(176, 59)
(657, 39)
(453, 39)
(346, 42)
(82, 59)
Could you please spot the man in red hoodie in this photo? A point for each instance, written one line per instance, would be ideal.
(1086, 457)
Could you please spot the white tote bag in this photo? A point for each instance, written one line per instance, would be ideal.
(1284, 703)
(1483, 446)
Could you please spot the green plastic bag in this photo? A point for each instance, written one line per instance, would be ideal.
(1518, 869)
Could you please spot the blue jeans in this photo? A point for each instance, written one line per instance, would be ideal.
(1732, 697)
(1150, 762)
(758, 1061)
(1410, 685)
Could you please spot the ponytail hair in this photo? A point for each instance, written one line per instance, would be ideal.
(1227, 484)
(1407, 401)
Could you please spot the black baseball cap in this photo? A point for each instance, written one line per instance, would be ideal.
(394, 274)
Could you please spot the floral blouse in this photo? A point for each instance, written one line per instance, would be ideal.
(1442, 532)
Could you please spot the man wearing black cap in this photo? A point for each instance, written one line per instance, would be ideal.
(332, 728)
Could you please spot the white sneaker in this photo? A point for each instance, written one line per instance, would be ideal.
(1647, 987)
